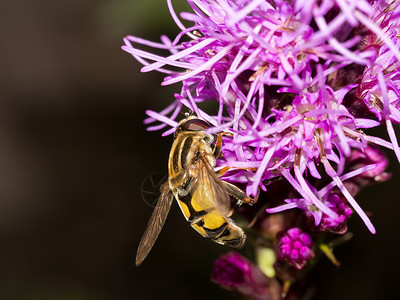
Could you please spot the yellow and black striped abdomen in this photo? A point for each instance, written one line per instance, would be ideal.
(211, 223)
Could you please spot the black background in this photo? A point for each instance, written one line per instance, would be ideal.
(74, 154)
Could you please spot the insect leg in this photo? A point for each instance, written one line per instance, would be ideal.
(218, 144)
(226, 169)
(237, 193)
(222, 171)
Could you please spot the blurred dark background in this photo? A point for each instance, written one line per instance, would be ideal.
(74, 154)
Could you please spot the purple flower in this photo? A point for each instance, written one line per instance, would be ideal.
(360, 158)
(235, 273)
(379, 84)
(298, 84)
(325, 196)
(232, 270)
(369, 155)
(344, 212)
(276, 73)
(295, 247)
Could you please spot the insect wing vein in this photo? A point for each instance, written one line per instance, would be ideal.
(155, 224)
(209, 192)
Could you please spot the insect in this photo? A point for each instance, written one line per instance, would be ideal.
(202, 196)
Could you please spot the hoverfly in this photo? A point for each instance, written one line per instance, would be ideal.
(202, 196)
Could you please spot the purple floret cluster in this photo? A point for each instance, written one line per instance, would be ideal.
(298, 83)
(295, 247)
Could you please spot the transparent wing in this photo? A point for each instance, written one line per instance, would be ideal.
(155, 224)
(208, 192)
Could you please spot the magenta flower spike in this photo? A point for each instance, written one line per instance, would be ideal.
(237, 49)
(298, 84)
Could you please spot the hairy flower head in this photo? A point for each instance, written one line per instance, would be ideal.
(298, 84)
(277, 71)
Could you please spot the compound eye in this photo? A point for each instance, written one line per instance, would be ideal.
(195, 125)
